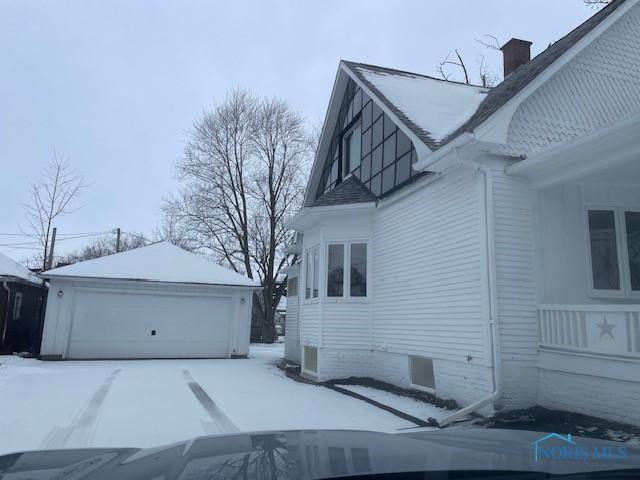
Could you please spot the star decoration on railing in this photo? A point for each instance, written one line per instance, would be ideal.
(606, 328)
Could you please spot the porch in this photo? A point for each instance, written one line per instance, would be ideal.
(600, 330)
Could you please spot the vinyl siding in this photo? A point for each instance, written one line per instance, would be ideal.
(516, 288)
(346, 325)
(292, 335)
(426, 268)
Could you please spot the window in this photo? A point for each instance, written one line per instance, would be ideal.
(358, 270)
(353, 254)
(308, 271)
(17, 306)
(311, 273)
(614, 250)
(351, 149)
(421, 371)
(632, 225)
(316, 272)
(292, 286)
(335, 270)
(382, 146)
(310, 359)
(604, 251)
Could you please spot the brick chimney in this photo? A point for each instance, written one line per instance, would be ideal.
(515, 52)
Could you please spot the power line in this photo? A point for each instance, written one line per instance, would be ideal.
(36, 243)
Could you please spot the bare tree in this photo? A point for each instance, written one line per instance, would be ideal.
(281, 151)
(101, 247)
(51, 198)
(455, 62)
(242, 177)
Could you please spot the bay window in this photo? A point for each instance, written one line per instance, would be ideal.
(346, 270)
(614, 251)
(358, 270)
(311, 273)
(335, 270)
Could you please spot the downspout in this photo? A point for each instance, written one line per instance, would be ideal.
(489, 261)
(6, 311)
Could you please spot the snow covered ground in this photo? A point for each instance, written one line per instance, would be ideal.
(144, 403)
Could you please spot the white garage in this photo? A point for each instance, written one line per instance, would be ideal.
(157, 301)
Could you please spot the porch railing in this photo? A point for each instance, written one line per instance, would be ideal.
(612, 330)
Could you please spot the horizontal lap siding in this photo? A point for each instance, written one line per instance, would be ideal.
(516, 288)
(310, 324)
(346, 325)
(291, 347)
(427, 290)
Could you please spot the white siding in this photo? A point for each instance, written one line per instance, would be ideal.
(309, 310)
(426, 265)
(346, 325)
(516, 289)
(291, 333)
(564, 277)
(599, 85)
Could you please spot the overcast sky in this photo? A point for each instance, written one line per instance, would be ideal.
(114, 85)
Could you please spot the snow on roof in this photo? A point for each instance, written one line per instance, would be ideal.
(436, 106)
(159, 262)
(9, 268)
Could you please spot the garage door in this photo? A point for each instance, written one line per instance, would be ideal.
(143, 325)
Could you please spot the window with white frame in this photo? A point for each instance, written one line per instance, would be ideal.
(311, 273)
(351, 149)
(346, 270)
(614, 250)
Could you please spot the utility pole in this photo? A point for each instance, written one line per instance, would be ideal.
(118, 240)
(53, 242)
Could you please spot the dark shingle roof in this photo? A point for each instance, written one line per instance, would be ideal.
(350, 191)
(498, 95)
(524, 75)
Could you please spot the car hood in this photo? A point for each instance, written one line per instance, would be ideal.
(329, 453)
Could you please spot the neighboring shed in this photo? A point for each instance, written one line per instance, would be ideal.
(157, 301)
(22, 295)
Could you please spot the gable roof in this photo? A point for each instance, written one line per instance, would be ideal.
(438, 111)
(432, 108)
(351, 190)
(10, 268)
(158, 262)
(525, 74)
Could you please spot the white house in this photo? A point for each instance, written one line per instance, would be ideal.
(481, 244)
(157, 301)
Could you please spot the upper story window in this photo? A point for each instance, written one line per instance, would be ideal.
(351, 281)
(311, 273)
(382, 155)
(614, 251)
(351, 149)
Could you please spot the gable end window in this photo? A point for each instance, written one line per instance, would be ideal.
(351, 149)
(614, 251)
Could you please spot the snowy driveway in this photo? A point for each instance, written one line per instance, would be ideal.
(145, 403)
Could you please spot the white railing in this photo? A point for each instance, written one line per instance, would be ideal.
(612, 330)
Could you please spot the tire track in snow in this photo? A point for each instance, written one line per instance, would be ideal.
(218, 418)
(79, 432)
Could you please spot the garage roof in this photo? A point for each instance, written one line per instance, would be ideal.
(9, 268)
(158, 262)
